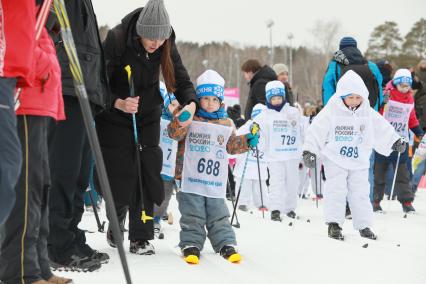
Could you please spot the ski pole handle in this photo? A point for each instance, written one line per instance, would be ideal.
(254, 128)
(129, 72)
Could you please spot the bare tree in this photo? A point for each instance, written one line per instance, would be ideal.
(326, 35)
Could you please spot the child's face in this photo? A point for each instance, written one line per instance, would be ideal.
(276, 100)
(403, 88)
(353, 100)
(210, 103)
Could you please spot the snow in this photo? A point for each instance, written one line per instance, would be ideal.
(275, 252)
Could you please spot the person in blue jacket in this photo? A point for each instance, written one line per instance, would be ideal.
(348, 54)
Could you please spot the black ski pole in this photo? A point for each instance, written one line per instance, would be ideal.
(138, 146)
(262, 207)
(228, 185)
(316, 180)
(253, 131)
(101, 227)
(234, 212)
(81, 92)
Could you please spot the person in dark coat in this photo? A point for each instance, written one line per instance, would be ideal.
(145, 41)
(69, 150)
(257, 77)
(419, 84)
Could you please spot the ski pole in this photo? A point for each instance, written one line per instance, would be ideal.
(394, 176)
(234, 213)
(262, 207)
(316, 179)
(86, 111)
(101, 226)
(253, 131)
(228, 185)
(95, 210)
(138, 146)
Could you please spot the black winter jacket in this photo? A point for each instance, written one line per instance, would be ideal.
(257, 88)
(122, 48)
(85, 32)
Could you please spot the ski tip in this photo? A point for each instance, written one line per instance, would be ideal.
(235, 258)
(192, 259)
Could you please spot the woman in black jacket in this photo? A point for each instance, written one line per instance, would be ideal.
(145, 41)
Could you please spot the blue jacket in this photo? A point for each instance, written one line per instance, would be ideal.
(353, 56)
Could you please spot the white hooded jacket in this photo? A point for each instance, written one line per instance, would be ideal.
(348, 137)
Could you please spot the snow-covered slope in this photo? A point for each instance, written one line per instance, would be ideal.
(278, 253)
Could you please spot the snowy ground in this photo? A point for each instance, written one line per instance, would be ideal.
(278, 253)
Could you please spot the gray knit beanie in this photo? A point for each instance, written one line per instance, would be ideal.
(153, 22)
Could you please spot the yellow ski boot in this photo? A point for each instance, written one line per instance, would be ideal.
(229, 253)
(191, 255)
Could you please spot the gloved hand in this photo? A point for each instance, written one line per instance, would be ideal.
(253, 139)
(386, 97)
(400, 145)
(309, 159)
(184, 116)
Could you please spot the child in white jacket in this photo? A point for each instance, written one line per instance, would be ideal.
(252, 193)
(344, 133)
(283, 128)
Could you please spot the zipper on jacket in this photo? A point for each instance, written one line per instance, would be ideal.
(146, 55)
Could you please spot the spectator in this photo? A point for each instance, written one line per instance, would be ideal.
(282, 75)
(257, 77)
(15, 64)
(69, 150)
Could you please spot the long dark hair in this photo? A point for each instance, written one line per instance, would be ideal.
(167, 66)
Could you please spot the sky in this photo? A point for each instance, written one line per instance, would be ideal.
(244, 21)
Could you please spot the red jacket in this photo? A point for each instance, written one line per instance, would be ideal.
(17, 39)
(406, 98)
(44, 98)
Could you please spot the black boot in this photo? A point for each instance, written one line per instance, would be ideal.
(110, 237)
(141, 247)
(367, 233)
(377, 207)
(335, 232)
(76, 263)
(407, 207)
(291, 214)
(275, 215)
(87, 251)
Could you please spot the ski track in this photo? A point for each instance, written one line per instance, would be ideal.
(274, 252)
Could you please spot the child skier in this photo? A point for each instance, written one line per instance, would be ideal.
(169, 148)
(202, 167)
(344, 133)
(282, 125)
(250, 188)
(400, 113)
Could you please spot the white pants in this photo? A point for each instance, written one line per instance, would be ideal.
(353, 185)
(250, 192)
(283, 185)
